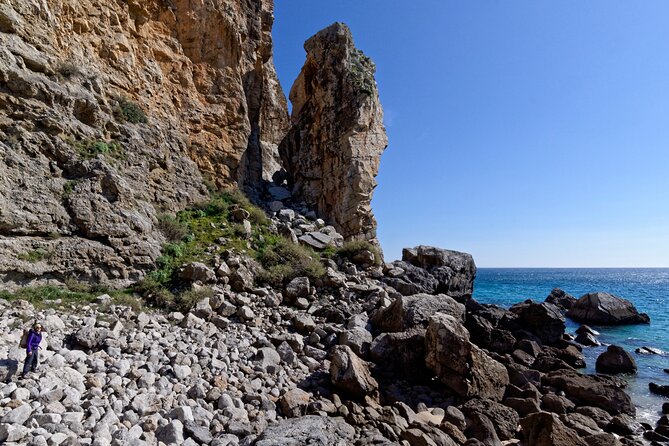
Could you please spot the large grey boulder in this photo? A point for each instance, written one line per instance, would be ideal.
(394, 351)
(606, 309)
(427, 269)
(459, 364)
(615, 360)
(414, 311)
(309, 430)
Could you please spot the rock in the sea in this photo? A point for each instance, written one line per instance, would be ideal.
(459, 364)
(659, 389)
(541, 319)
(546, 429)
(337, 133)
(615, 360)
(650, 351)
(599, 391)
(587, 339)
(606, 309)
(561, 299)
(308, 430)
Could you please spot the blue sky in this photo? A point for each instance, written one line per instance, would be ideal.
(529, 133)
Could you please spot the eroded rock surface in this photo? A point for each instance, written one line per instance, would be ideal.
(333, 149)
(110, 112)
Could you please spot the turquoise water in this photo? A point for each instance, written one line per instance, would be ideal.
(647, 288)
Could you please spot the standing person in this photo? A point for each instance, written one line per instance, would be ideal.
(32, 349)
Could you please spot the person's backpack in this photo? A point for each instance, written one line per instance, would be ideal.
(24, 338)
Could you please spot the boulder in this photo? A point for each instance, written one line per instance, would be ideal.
(561, 299)
(197, 272)
(350, 374)
(308, 430)
(541, 319)
(606, 309)
(546, 429)
(411, 311)
(599, 391)
(455, 271)
(503, 418)
(296, 288)
(587, 339)
(294, 403)
(459, 364)
(615, 360)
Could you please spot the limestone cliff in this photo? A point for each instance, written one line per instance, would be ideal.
(111, 112)
(333, 149)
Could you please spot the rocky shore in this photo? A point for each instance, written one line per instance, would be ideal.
(344, 360)
(120, 125)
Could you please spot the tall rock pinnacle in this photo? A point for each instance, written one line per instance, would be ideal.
(333, 149)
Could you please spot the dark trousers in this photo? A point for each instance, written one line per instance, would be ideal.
(32, 361)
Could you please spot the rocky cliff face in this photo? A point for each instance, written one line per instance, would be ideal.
(112, 112)
(333, 148)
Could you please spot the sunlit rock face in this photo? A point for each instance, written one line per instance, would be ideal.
(83, 173)
(333, 149)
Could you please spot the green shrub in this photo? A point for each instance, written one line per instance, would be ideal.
(361, 72)
(351, 249)
(34, 256)
(283, 261)
(42, 295)
(130, 111)
(155, 293)
(171, 228)
(187, 299)
(67, 70)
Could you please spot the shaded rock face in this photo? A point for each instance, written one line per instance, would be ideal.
(81, 175)
(459, 364)
(615, 360)
(543, 320)
(561, 299)
(546, 429)
(333, 149)
(426, 269)
(606, 309)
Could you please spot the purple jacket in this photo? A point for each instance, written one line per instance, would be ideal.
(34, 338)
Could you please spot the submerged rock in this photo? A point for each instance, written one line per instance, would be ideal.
(606, 309)
(615, 360)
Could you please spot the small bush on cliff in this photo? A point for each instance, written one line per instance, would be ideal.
(361, 72)
(129, 111)
(351, 249)
(67, 70)
(171, 228)
(34, 256)
(283, 260)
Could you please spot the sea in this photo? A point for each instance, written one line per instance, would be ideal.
(646, 288)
